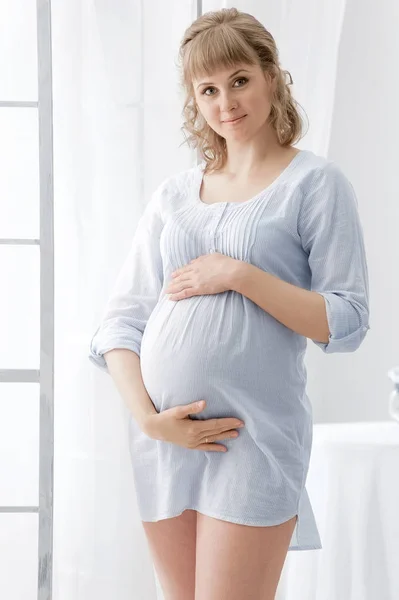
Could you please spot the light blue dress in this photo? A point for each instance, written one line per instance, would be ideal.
(303, 228)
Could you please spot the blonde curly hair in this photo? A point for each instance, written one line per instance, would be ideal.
(224, 38)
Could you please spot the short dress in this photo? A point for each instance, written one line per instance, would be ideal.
(303, 228)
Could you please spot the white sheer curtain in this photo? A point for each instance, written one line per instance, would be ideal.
(117, 118)
(116, 135)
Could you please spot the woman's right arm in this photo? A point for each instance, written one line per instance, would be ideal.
(116, 345)
(124, 368)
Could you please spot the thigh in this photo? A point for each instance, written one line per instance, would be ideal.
(172, 545)
(239, 561)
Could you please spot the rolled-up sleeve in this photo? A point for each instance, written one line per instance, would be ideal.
(136, 290)
(332, 236)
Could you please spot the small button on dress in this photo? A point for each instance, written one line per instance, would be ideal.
(303, 228)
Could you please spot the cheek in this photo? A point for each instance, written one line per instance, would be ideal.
(210, 110)
(205, 110)
(261, 107)
(260, 101)
(211, 115)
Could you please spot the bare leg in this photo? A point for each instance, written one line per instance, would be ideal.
(239, 561)
(172, 546)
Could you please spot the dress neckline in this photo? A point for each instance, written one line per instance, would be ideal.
(205, 205)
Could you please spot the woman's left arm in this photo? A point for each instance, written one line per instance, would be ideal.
(298, 309)
(334, 314)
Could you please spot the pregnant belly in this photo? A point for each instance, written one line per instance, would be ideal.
(221, 349)
(192, 348)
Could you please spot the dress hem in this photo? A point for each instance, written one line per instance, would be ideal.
(239, 521)
(250, 522)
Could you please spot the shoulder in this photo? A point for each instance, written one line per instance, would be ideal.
(172, 191)
(318, 174)
(327, 195)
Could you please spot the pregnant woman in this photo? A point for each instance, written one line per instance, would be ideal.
(234, 264)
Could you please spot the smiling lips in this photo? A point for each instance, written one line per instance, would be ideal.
(235, 120)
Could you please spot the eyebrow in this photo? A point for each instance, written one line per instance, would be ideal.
(231, 77)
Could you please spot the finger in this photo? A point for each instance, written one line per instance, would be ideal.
(177, 286)
(186, 293)
(225, 435)
(184, 410)
(177, 274)
(215, 426)
(182, 278)
(212, 447)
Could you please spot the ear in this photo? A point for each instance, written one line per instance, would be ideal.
(271, 79)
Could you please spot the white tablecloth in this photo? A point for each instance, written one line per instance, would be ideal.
(353, 485)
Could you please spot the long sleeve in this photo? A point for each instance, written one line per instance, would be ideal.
(332, 236)
(136, 290)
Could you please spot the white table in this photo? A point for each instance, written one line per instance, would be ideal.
(353, 485)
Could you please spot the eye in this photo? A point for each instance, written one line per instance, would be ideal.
(205, 90)
(242, 79)
(245, 79)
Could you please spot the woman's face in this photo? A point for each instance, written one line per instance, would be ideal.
(243, 91)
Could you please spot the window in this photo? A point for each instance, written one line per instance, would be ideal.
(26, 300)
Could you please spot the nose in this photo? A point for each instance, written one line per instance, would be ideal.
(227, 104)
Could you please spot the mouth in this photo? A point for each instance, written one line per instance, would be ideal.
(235, 120)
